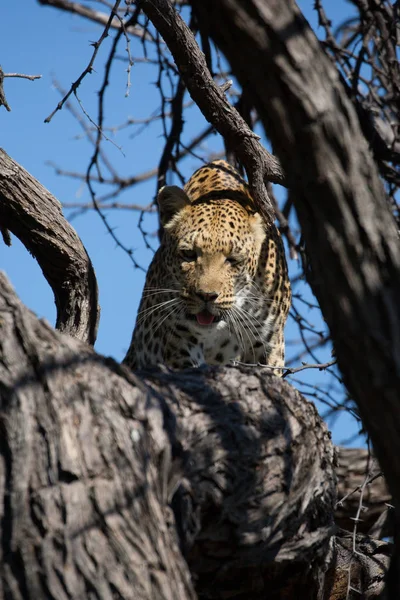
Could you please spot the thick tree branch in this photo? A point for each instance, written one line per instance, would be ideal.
(91, 456)
(35, 217)
(85, 467)
(251, 483)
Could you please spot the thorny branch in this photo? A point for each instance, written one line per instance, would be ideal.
(3, 99)
(94, 163)
(364, 49)
(74, 87)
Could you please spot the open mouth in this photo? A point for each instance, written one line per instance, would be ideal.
(205, 318)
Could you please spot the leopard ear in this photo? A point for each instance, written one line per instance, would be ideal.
(171, 199)
(258, 227)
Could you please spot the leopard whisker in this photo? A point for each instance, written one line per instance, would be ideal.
(154, 291)
(144, 314)
(236, 328)
(241, 321)
(161, 320)
(253, 325)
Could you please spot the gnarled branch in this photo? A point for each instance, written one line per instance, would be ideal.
(92, 455)
(29, 211)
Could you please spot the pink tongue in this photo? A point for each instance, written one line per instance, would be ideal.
(204, 318)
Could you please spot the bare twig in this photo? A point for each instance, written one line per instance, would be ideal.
(364, 49)
(94, 160)
(89, 67)
(113, 205)
(356, 519)
(3, 100)
(23, 76)
(319, 366)
(290, 370)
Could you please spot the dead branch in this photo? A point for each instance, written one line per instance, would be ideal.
(29, 211)
(23, 76)
(3, 100)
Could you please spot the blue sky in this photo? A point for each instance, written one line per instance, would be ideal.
(42, 40)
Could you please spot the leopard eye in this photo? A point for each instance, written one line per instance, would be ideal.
(234, 260)
(188, 255)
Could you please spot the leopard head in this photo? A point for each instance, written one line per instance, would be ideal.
(212, 250)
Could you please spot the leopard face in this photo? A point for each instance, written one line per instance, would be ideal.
(209, 269)
(217, 289)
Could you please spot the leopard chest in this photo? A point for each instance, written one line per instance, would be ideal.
(212, 345)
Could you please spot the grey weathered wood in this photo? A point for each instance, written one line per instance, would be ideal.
(259, 470)
(92, 455)
(35, 217)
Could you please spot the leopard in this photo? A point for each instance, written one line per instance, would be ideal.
(217, 291)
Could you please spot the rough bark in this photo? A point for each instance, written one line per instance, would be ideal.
(352, 241)
(84, 473)
(35, 217)
(91, 457)
(262, 499)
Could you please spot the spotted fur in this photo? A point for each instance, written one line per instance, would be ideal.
(217, 290)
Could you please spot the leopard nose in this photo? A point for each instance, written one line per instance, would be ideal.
(207, 296)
